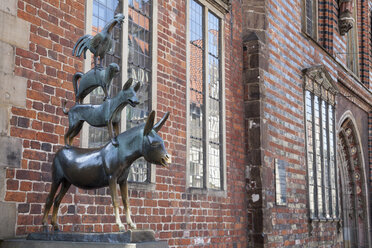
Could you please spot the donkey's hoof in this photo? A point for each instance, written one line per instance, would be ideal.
(121, 228)
(132, 226)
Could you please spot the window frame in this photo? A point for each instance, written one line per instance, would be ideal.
(206, 7)
(319, 84)
(84, 137)
(314, 34)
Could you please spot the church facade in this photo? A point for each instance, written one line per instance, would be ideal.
(270, 127)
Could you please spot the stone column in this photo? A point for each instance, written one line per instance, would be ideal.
(255, 63)
(14, 33)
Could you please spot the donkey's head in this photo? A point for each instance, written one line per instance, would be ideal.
(153, 145)
(129, 93)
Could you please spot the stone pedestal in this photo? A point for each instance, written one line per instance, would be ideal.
(129, 239)
(23, 243)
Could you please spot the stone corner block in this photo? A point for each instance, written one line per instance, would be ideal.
(7, 58)
(10, 152)
(7, 219)
(14, 31)
(9, 6)
(4, 120)
(13, 90)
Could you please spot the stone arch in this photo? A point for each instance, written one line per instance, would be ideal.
(353, 181)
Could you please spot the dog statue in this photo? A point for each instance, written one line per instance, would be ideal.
(93, 79)
(105, 114)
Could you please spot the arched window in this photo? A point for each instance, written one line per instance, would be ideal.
(353, 192)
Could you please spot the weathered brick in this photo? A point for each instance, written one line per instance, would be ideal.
(15, 196)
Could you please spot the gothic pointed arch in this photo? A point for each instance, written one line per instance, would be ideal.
(353, 193)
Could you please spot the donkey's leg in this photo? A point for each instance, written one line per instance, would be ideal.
(112, 135)
(65, 186)
(49, 202)
(116, 128)
(115, 202)
(124, 196)
(67, 136)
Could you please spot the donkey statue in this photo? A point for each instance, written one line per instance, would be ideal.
(105, 114)
(106, 166)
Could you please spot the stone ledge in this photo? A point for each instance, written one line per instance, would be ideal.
(23, 243)
(131, 236)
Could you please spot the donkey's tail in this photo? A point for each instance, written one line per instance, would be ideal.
(64, 107)
(75, 79)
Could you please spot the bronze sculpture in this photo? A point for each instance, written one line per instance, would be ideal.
(106, 166)
(105, 114)
(99, 44)
(91, 168)
(93, 79)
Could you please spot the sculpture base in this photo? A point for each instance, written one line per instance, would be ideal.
(129, 239)
(23, 243)
(131, 236)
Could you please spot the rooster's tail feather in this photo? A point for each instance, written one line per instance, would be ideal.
(81, 45)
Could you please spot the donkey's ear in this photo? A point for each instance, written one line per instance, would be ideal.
(128, 84)
(149, 123)
(158, 125)
(137, 86)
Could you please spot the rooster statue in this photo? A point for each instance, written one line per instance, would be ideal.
(99, 44)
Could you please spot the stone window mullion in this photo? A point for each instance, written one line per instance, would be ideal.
(315, 172)
(329, 167)
(334, 162)
(321, 148)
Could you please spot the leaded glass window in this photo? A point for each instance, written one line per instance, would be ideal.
(310, 16)
(103, 12)
(320, 131)
(205, 98)
(138, 66)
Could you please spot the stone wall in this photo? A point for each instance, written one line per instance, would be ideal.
(14, 34)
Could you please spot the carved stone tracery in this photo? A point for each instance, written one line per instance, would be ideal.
(222, 5)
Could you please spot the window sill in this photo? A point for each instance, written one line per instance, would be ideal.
(208, 192)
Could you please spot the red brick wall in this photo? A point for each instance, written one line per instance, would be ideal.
(288, 51)
(48, 65)
(182, 218)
